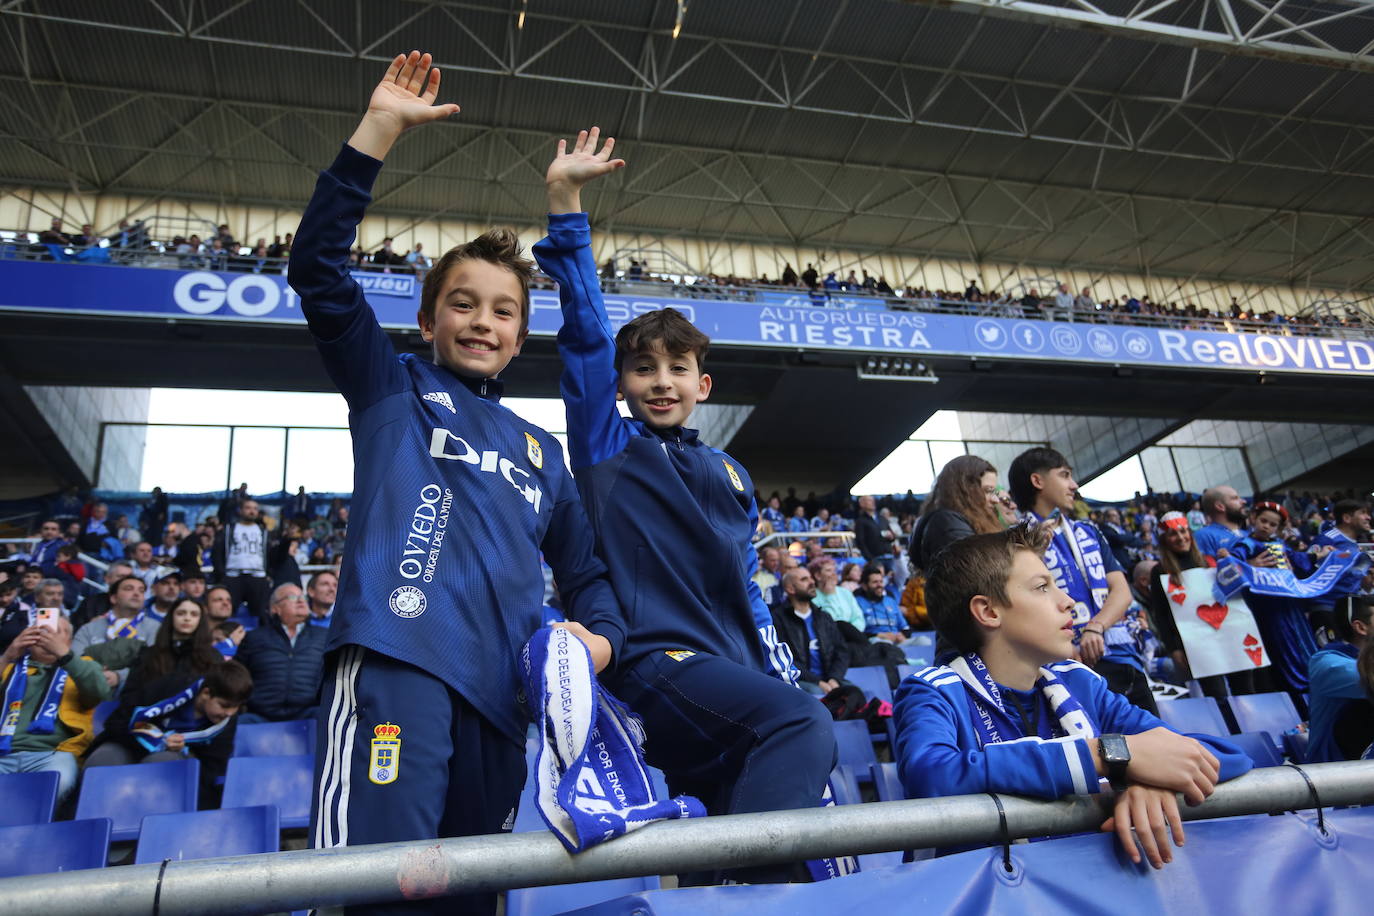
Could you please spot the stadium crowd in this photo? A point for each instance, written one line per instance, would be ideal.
(219, 250)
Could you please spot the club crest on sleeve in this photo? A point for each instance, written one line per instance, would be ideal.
(385, 763)
(535, 452)
(678, 655)
(734, 476)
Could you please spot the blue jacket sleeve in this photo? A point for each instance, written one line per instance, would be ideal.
(781, 664)
(1115, 714)
(357, 353)
(581, 576)
(936, 757)
(589, 383)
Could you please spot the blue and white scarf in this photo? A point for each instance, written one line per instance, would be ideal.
(1074, 558)
(1067, 717)
(591, 783)
(145, 728)
(45, 718)
(1335, 538)
(123, 627)
(1234, 575)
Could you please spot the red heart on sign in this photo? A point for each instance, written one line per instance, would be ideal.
(1253, 649)
(1213, 614)
(1177, 593)
(1250, 640)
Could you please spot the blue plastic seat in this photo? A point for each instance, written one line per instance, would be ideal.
(127, 794)
(872, 680)
(919, 656)
(560, 898)
(888, 783)
(286, 782)
(27, 798)
(844, 787)
(1198, 716)
(1295, 746)
(275, 739)
(1260, 748)
(207, 834)
(855, 748)
(101, 713)
(33, 849)
(1266, 712)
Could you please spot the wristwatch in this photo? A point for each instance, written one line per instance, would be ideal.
(65, 660)
(1116, 755)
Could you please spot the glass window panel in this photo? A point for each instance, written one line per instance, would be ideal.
(321, 460)
(906, 468)
(941, 453)
(185, 459)
(258, 458)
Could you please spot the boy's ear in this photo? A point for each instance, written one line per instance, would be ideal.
(427, 326)
(984, 613)
(704, 387)
(1037, 480)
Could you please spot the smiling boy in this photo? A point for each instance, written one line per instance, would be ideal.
(455, 497)
(1010, 714)
(673, 519)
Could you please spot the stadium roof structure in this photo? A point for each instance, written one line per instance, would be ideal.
(1227, 139)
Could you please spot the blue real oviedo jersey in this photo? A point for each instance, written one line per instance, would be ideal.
(454, 497)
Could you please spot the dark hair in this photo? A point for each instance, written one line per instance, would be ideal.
(229, 681)
(500, 246)
(68, 550)
(667, 328)
(1349, 609)
(1346, 507)
(161, 657)
(959, 488)
(122, 579)
(869, 569)
(978, 565)
(1032, 461)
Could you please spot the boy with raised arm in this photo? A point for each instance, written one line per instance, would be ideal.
(1011, 714)
(421, 729)
(673, 519)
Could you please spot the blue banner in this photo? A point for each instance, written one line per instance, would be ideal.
(1233, 575)
(782, 320)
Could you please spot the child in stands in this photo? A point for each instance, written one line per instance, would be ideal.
(1009, 714)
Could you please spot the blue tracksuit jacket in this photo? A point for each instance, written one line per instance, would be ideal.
(454, 496)
(938, 746)
(673, 517)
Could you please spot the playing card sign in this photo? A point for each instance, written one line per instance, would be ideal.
(1218, 637)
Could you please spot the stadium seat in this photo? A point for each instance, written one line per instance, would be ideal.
(844, 787)
(207, 834)
(1199, 716)
(33, 849)
(286, 782)
(101, 713)
(27, 798)
(856, 750)
(919, 656)
(1259, 746)
(1295, 746)
(127, 794)
(1266, 712)
(275, 739)
(888, 783)
(872, 680)
(560, 898)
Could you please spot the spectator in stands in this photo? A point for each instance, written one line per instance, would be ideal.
(321, 592)
(96, 604)
(195, 552)
(838, 602)
(1225, 511)
(125, 619)
(28, 584)
(241, 552)
(1342, 721)
(789, 276)
(182, 646)
(219, 605)
(299, 507)
(767, 576)
(386, 257)
(44, 554)
(868, 533)
(286, 659)
(71, 572)
(279, 248)
(166, 591)
(882, 614)
(1349, 526)
(95, 530)
(418, 260)
(54, 235)
(193, 587)
(1009, 715)
(818, 650)
(1043, 486)
(144, 567)
(1030, 304)
(49, 593)
(14, 613)
(822, 520)
(1083, 303)
(1119, 540)
(797, 523)
(1178, 551)
(809, 276)
(962, 503)
(1063, 304)
(177, 716)
(153, 519)
(282, 557)
(51, 726)
(165, 552)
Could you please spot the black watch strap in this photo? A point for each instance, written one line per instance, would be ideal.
(1116, 756)
(65, 660)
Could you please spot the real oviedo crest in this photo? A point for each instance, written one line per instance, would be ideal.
(535, 452)
(734, 477)
(386, 754)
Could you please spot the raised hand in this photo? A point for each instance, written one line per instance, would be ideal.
(571, 169)
(405, 98)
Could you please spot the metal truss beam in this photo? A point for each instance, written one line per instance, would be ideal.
(1247, 27)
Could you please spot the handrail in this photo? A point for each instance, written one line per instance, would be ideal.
(783, 537)
(426, 869)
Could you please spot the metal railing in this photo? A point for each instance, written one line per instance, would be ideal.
(782, 538)
(427, 869)
(1306, 323)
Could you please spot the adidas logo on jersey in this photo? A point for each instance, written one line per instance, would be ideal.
(441, 398)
